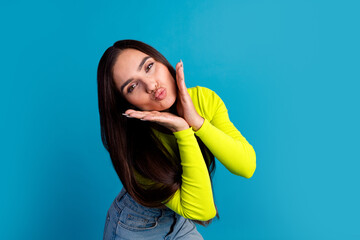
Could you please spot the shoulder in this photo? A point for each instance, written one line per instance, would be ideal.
(200, 93)
(199, 90)
(205, 100)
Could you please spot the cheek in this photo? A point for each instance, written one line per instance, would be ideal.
(134, 101)
(163, 72)
(169, 79)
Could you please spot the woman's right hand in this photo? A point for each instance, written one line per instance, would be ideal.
(166, 119)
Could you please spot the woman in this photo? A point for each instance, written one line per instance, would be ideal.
(162, 139)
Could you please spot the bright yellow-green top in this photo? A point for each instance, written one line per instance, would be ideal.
(194, 199)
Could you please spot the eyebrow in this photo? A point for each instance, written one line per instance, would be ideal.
(139, 68)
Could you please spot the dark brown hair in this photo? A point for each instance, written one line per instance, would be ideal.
(122, 137)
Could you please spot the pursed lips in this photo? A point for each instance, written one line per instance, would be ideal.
(158, 92)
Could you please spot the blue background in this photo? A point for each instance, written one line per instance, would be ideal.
(288, 72)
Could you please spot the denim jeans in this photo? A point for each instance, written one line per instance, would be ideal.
(128, 220)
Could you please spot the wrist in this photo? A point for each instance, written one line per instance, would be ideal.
(198, 124)
(181, 127)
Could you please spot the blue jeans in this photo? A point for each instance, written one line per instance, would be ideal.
(128, 220)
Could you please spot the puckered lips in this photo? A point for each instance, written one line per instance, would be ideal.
(160, 94)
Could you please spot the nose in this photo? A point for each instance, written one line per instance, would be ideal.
(151, 86)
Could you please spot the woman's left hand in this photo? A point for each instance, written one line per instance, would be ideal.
(185, 106)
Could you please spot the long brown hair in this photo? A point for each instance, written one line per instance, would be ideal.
(122, 137)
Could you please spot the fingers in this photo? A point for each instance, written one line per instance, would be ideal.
(130, 113)
(180, 70)
(153, 116)
(180, 78)
(165, 119)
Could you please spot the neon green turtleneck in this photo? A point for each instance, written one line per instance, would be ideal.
(194, 199)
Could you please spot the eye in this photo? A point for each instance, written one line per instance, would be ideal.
(149, 67)
(131, 88)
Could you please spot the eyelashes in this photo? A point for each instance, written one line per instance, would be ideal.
(147, 69)
(131, 88)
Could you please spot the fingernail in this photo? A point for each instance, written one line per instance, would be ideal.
(142, 119)
(125, 114)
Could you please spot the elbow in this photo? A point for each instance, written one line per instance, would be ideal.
(251, 171)
(247, 172)
(252, 168)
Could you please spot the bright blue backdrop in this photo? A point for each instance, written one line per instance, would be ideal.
(288, 72)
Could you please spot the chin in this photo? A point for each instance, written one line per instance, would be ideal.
(168, 106)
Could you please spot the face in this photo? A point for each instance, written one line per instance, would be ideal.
(144, 82)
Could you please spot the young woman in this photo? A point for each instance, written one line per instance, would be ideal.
(162, 139)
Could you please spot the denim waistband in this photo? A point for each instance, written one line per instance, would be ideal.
(125, 200)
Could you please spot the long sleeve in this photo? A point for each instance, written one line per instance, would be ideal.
(224, 140)
(194, 199)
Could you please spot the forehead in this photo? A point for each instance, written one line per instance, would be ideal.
(126, 65)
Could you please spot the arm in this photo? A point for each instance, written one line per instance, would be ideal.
(225, 141)
(194, 199)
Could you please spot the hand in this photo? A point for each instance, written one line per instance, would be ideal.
(166, 119)
(185, 106)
